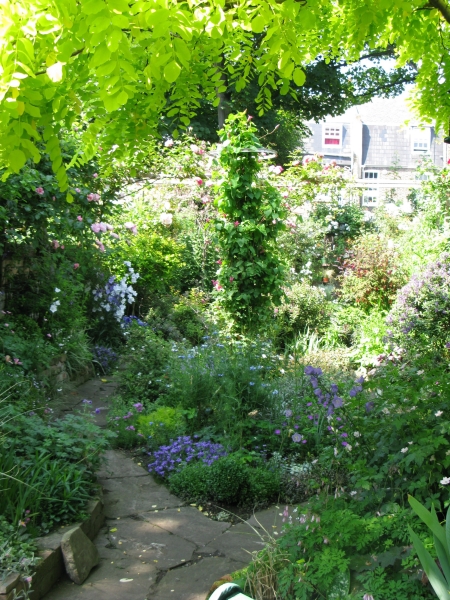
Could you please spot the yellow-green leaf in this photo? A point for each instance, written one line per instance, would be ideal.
(258, 24)
(16, 160)
(299, 76)
(172, 71)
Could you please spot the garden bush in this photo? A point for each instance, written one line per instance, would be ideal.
(371, 274)
(420, 316)
(161, 426)
(305, 307)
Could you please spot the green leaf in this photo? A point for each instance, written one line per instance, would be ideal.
(258, 24)
(172, 71)
(429, 566)
(429, 518)
(119, 5)
(299, 77)
(16, 160)
(92, 7)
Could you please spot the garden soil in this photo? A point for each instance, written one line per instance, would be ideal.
(153, 546)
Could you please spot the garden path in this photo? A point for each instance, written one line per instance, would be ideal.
(153, 546)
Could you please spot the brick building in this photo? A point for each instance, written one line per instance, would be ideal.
(381, 142)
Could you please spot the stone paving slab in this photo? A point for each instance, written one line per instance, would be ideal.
(139, 539)
(193, 582)
(104, 583)
(129, 496)
(118, 465)
(237, 543)
(188, 523)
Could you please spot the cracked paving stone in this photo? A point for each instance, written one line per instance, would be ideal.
(117, 465)
(134, 495)
(187, 522)
(237, 543)
(193, 581)
(139, 539)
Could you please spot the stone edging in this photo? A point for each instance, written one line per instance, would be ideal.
(51, 566)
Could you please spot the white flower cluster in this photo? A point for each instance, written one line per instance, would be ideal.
(115, 295)
(54, 305)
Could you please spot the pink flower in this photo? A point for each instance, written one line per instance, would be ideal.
(129, 225)
(236, 223)
(134, 230)
(101, 247)
(49, 335)
(114, 235)
(195, 149)
(40, 191)
(95, 175)
(109, 227)
(93, 197)
(198, 180)
(62, 246)
(95, 227)
(168, 143)
(295, 163)
(55, 244)
(78, 191)
(76, 265)
(249, 118)
(102, 226)
(79, 218)
(278, 170)
(231, 278)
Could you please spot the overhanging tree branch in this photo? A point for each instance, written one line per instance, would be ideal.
(441, 6)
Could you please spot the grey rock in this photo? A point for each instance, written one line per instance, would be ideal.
(79, 553)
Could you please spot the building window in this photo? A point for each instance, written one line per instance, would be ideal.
(422, 177)
(332, 136)
(420, 139)
(370, 197)
(371, 175)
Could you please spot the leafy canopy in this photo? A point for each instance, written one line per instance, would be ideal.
(116, 66)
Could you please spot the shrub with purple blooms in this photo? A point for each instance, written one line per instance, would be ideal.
(184, 451)
(420, 317)
(105, 357)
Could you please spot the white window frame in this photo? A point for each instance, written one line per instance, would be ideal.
(333, 131)
(420, 140)
(370, 196)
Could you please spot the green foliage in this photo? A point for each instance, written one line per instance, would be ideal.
(161, 425)
(305, 307)
(419, 317)
(48, 468)
(371, 275)
(191, 483)
(251, 273)
(227, 481)
(17, 550)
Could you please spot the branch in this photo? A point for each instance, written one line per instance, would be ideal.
(76, 53)
(441, 6)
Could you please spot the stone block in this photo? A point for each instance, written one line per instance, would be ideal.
(48, 571)
(79, 553)
(94, 523)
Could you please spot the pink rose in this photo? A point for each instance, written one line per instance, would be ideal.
(76, 265)
(78, 191)
(79, 218)
(40, 191)
(198, 180)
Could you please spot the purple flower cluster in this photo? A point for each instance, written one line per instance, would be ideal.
(171, 458)
(105, 357)
(328, 399)
(423, 305)
(128, 320)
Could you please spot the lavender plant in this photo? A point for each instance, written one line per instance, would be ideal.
(420, 317)
(183, 451)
